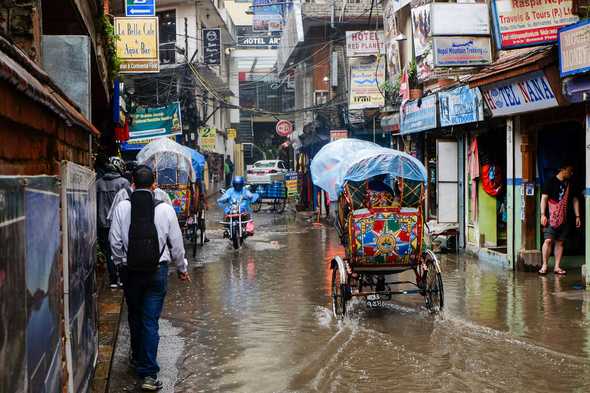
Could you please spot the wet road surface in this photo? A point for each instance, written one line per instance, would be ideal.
(259, 320)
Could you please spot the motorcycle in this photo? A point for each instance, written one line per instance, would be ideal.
(235, 223)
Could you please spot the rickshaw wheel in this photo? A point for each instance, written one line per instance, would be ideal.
(434, 290)
(279, 205)
(338, 294)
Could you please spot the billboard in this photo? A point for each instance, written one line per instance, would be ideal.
(365, 79)
(268, 15)
(461, 51)
(460, 19)
(530, 22)
(421, 27)
(138, 44)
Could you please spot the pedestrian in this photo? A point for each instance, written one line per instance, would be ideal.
(228, 169)
(125, 194)
(107, 187)
(145, 236)
(556, 197)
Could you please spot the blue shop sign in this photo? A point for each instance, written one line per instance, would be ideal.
(415, 118)
(140, 7)
(459, 106)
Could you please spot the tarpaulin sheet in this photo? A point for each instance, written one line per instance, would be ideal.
(355, 160)
(79, 218)
(172, 161)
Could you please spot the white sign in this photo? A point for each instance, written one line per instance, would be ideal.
(364, 85)
(527, 93)
(460, 19)
(364, 43)
(574, 49)
(462, 51)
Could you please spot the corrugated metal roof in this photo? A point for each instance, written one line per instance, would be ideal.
(512, 63)
(18, 70)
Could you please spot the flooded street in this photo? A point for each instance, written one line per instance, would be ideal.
(259, 320)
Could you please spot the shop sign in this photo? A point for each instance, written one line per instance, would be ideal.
(212, 46)
(530, 22)
(151, 123)
(462, 51)
(258, 41)
(390, 123)
(137, 46)
(284, 128)
(460, 19)
(364, 43)
(523, 94)
(292, 36)
(338, 134)
(416, 118)
(291, 183)
(459, 106)
(208, 138)
(268, 15)
(364, 85)
(140, 7)
(232, 133)
(574, 48)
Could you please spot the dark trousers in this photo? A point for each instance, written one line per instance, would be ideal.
(105, 246)
(144, 294)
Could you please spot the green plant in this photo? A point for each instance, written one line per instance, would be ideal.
(413, 74)
(110, 39)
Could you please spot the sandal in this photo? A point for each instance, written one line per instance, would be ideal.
(560, 272)
(543, 272)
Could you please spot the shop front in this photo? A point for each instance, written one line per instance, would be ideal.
(534, 131)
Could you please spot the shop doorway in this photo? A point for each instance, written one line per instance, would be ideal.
(559, 144)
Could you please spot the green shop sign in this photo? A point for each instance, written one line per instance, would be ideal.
(152, 123)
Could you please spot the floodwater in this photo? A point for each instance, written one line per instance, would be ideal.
(260, 320)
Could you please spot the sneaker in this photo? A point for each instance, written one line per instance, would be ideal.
(150, 384)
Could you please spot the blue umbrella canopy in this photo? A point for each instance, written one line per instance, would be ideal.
(356, 160)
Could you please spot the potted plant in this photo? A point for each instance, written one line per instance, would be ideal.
(390, 90)
(415, 90)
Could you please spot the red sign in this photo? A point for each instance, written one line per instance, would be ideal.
(284, 128)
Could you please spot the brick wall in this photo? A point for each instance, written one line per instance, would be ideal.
(34, 140)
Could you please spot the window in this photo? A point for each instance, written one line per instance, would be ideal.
(167, 36)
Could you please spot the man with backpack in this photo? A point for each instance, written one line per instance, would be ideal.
(107, 187)
(145, 236)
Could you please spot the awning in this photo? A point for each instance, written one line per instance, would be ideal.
(513, 63)
(214, 81)
(25, 76)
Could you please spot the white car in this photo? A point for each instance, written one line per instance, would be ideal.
(264, 172)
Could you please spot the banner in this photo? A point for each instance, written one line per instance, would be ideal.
(208, 138)
(138, 44)
(389, 41)
(421, 28)
(364, 43)
(151, 123)
(462, 51)
(364, 85)
(459, 106)
(212, 46)
(79, 268)
(530, 22)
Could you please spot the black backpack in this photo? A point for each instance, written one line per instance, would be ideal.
(143, 253)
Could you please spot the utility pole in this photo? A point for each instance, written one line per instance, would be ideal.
(186, 38)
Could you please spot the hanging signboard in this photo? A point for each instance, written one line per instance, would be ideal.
(212, 46)
(527, 93)
(459, 106)
(364, 43)
(364, 85)
(208, 138)
(574, 49)
(530, 22)
(462, 51)
(152, 123)
(460, 19)
(140, 7)
(258, 42)
(416, 118)
(137, 46)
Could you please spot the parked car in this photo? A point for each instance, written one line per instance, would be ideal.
(264, 172)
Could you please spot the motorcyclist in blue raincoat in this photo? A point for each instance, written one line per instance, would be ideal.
(235, 193)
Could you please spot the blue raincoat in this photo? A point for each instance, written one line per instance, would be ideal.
(231, 195)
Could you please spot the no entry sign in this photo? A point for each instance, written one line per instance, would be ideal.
(284, 128)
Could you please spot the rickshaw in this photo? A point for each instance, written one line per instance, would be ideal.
(382, 232)
(172, 164)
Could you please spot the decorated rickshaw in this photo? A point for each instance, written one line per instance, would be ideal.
(380, 197)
